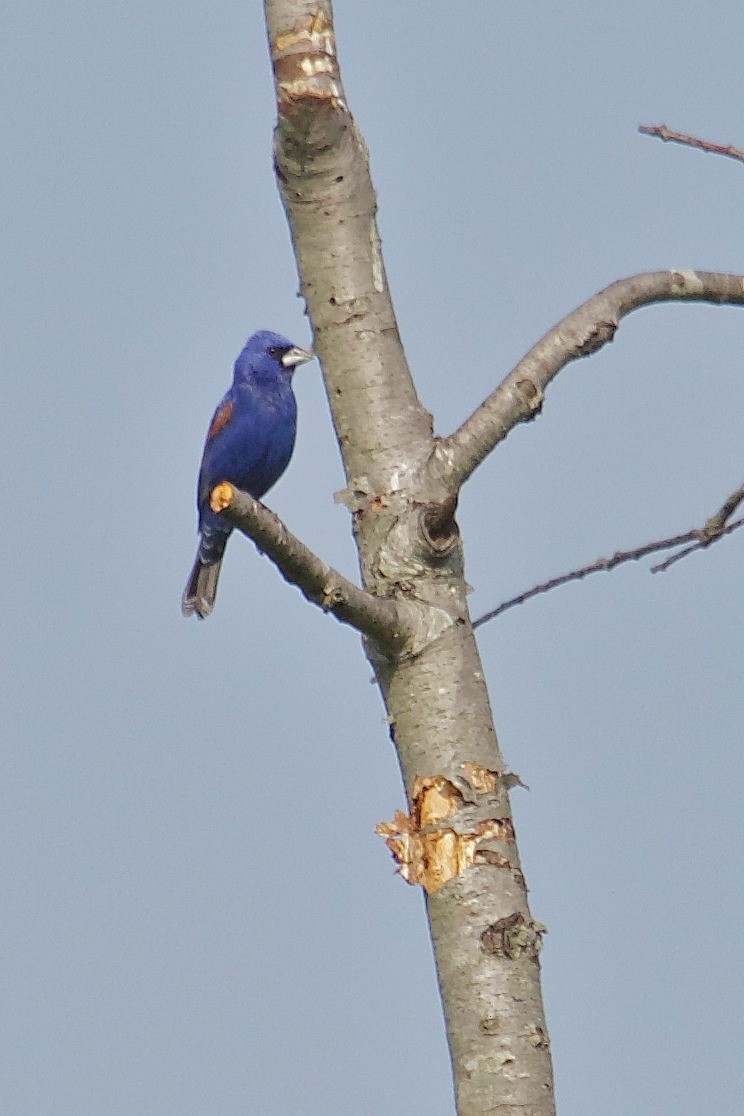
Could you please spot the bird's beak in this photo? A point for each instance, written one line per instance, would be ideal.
(295, 356)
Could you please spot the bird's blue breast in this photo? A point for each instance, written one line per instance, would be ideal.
(252, 449)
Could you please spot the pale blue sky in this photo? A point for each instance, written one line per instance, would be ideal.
(197, 916)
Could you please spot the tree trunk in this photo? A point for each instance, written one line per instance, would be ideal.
(457, 841)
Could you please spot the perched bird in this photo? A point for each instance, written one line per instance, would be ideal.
(249, 443)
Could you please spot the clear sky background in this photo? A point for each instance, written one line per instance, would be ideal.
(197, 917)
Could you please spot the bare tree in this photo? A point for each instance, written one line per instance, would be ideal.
(457, 839)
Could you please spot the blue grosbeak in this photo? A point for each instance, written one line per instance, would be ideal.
(249, 443)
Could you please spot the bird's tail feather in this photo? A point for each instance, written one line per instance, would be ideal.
(201, 588)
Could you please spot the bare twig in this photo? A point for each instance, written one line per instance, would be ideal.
(700, 537)
(519, 396)
(713, 529)
(376, 617)
(714, 526)
(668, 136)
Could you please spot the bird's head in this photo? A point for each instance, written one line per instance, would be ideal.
(269, 358)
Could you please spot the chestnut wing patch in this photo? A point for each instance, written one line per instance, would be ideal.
(221, 418)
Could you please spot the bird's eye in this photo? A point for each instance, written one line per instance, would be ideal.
(276, 351)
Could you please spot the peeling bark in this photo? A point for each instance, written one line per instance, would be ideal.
(492, 1002)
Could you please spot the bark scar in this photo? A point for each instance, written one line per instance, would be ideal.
(514, 936)
(430, 853)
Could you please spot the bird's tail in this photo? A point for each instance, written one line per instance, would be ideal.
(201, 588)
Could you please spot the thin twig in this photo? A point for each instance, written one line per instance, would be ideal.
(713, 529)
(667, 135)
(700, 537)
(717, 522)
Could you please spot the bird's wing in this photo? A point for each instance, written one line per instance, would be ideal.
(220, 419)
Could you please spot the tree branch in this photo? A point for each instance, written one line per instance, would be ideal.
(701, 537)
(714, 528)
(582, 332)
(376, 617)
(668, 136)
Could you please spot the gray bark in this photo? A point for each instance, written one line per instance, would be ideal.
(435, 694)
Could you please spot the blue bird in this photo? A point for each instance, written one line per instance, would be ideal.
(249, 443)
